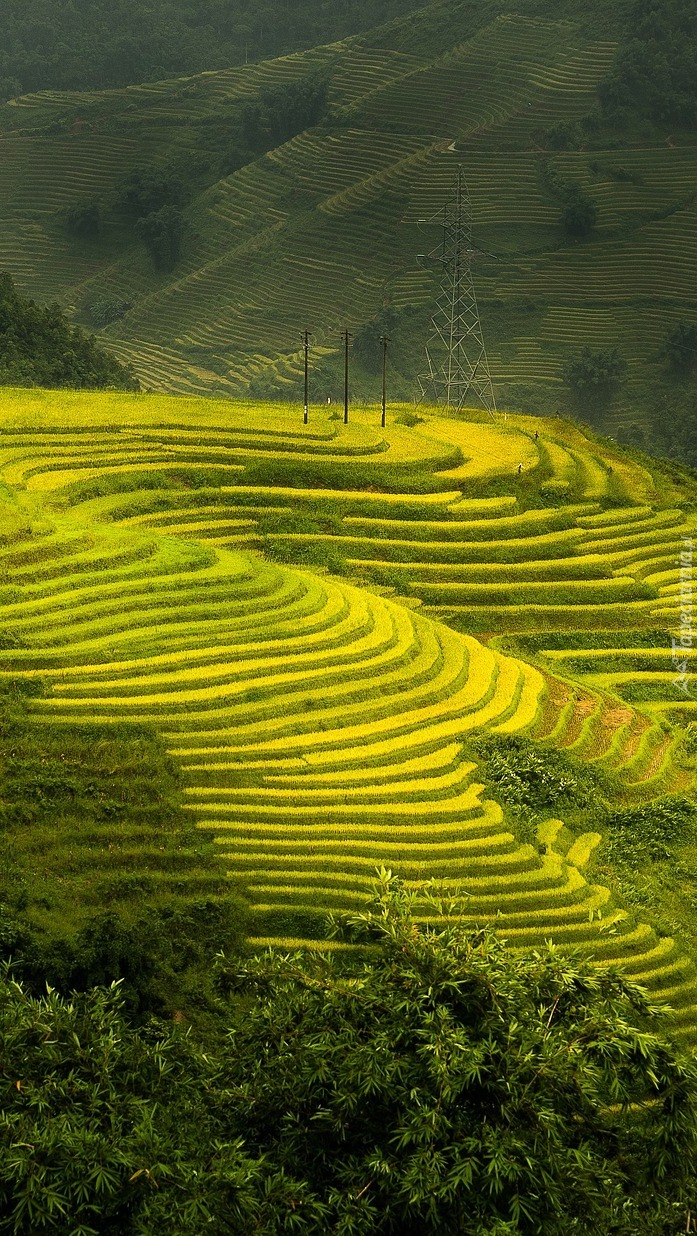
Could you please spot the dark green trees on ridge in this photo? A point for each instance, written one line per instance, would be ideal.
(39, 347)
(91, 43)
(655, 73)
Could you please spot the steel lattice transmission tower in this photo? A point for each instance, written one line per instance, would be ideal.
(457, 369)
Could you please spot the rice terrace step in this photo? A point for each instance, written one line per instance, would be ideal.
(321, 723)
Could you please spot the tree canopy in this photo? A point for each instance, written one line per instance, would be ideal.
(595, 371)
(95, 44)
(39, 347)
(435, 1082)
(680, 347)
(655, 71)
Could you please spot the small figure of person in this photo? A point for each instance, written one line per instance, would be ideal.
(536, 435)
(329, 399)
(520, 469)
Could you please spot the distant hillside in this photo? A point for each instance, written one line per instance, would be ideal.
(201, 223)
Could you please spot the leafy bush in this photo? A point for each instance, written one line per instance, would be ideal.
(106, 1129)
(655, 71)
(651, 831)
(674, 426)
(564, 135)
(556, 492)
(632, 435)
(436, 1085)
(10, 87)
(108, 309)
(158, 956)
(448, 1085)
(541, 778)
(625, 175)
(591, 123)
(579, 213)
(410, 419)
(280, 112)
(366, 343)
(265, 385)
(147, 189)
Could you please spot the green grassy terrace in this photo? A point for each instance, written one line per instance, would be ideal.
(320, 624)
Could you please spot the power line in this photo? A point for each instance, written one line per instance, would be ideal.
(346, 338)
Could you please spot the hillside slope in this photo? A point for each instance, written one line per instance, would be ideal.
(321, 231)
(486, 586)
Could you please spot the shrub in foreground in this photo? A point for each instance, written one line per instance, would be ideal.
(450, 1086)
(442, 1084)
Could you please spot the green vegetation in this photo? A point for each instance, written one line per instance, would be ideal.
(594, 375)
(162, 232)
(93, 44)
(280, 113)
(292, 187)
(674, 427)
(646, 834)
(322, 725)
(540, 778)
(680, 348)
(39, 347)
(205, 748)
(246, 658)
(441, 1085)
(103, 878)
(655, 74)
(579, 215)
(83, 220)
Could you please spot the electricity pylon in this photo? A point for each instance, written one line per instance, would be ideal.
(457, 369)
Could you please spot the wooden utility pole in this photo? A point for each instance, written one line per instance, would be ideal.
(384, 340)
(346, 338)
(306, 352)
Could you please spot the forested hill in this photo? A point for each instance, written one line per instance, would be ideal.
(202, 222)
(90, 44)
(39, 347)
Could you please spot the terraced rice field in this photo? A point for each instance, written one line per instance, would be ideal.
(151, 570)
(332, 213)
